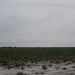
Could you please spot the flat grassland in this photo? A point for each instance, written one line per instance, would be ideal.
(37, 61)
(55, 54)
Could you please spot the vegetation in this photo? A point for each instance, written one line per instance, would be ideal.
(20, 73)
(50, 65)
(64, 68)
(44, 67)
(10, 54)
(39, 73)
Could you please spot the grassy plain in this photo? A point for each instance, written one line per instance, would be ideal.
(55, 54)
(37, 60)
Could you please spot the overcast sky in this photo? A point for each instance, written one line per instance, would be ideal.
(37, 23)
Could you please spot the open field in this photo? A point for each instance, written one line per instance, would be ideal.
(37, 61)
(37, 54)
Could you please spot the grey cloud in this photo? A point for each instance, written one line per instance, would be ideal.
(37, 23)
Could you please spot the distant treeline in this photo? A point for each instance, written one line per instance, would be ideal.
(35, 54)
(35, 47)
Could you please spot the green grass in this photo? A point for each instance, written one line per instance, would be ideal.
(36, 54)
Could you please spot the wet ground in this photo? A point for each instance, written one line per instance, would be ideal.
(36, 69)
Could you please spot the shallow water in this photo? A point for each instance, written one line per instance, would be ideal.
(38, 68)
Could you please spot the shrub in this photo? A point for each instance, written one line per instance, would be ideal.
(17, 65)
(22, 68)
(73, 67)
(64, 68)
(20, 73)
(42, 73)
(50, 65)
(36, 73)
(44, 67)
